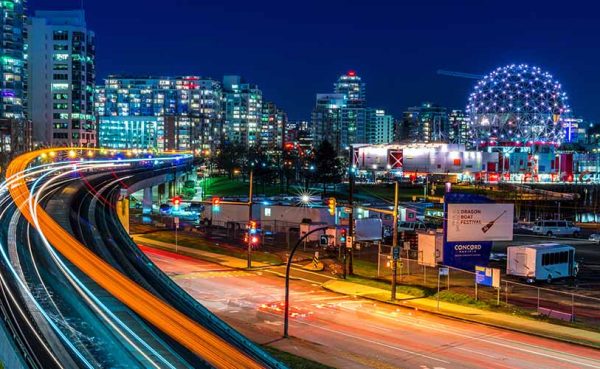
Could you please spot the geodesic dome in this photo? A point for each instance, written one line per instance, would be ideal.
(517, 104)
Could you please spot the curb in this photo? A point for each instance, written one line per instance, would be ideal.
(464, 319)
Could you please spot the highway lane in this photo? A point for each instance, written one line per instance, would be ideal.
(95, 222)
(363, 333)
(94, 334)
(168, 320)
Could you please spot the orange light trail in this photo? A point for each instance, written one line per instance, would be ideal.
(172, 322)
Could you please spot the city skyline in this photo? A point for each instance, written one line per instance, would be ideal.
(404, 54)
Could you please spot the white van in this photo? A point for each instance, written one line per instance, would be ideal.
(556, 228)
(541, 262)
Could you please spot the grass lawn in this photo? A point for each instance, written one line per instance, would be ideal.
(200, 243)
(415, 291)
(293, 361)
(223, 186)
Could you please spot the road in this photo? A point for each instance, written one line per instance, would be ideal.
(357, 333)
(77, 309)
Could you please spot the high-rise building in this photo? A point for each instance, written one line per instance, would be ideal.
(61, 70)
(458, 123)
(15, 129)
(379, 127)
(425, 123)
(352, 86)
(12, 60)
(273, 126)
(242, 111)
(166, 113)
(341, 117)
(326, 120)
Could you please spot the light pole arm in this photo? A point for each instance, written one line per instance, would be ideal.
(287, 279)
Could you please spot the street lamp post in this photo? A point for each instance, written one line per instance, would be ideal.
(287, 279)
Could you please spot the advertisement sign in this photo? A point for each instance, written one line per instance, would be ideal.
(480, 222)
(487, 276)
(466, 254)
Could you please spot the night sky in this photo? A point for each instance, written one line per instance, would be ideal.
(294, 49)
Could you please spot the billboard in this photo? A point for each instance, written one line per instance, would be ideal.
(480, 222)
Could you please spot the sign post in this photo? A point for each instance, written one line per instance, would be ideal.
(395, 257)
(487, 277)
(442, 271)
(176, 221)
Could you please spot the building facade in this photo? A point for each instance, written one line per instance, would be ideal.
(425, 123)
(379, 127)
(273, 126)
(159, 113)
(61, 70)
(15, 129)
(326, 120)
(242, 111)
(458, 124)
(12, 61)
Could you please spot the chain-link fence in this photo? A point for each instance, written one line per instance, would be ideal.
(375, 261)
(519, 297)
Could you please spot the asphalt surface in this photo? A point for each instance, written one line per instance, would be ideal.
(348, 332)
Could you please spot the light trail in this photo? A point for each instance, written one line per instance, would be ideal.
(83, 291)
(198, 339)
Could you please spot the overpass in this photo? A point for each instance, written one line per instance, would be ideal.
(76, 290)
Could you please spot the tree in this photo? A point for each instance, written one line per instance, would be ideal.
(262, 164)
(229, 157)
(329, 168)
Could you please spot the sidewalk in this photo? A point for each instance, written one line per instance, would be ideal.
(228, 261)
(501, 320)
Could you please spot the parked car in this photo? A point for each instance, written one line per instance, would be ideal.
(595, 237)
(556, 228)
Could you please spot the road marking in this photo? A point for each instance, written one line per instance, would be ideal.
(375, 342)
(568, 359)
(212, 274)
(477, 352)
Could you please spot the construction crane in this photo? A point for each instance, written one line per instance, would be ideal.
(459, 74)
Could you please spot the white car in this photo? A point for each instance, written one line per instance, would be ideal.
(556, 228)
(595, 237)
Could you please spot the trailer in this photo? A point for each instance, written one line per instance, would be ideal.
(547, 262)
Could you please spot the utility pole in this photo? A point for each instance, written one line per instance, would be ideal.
(250, 219)
(395, 242)
(351, 223)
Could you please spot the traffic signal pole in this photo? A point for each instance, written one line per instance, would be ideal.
(250, 219)
(351, 224)
(395, 242)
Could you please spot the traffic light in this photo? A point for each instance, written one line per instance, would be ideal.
(216, 204)
(176, 201)
(332, 204)
(252, 226)
(343, 233)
